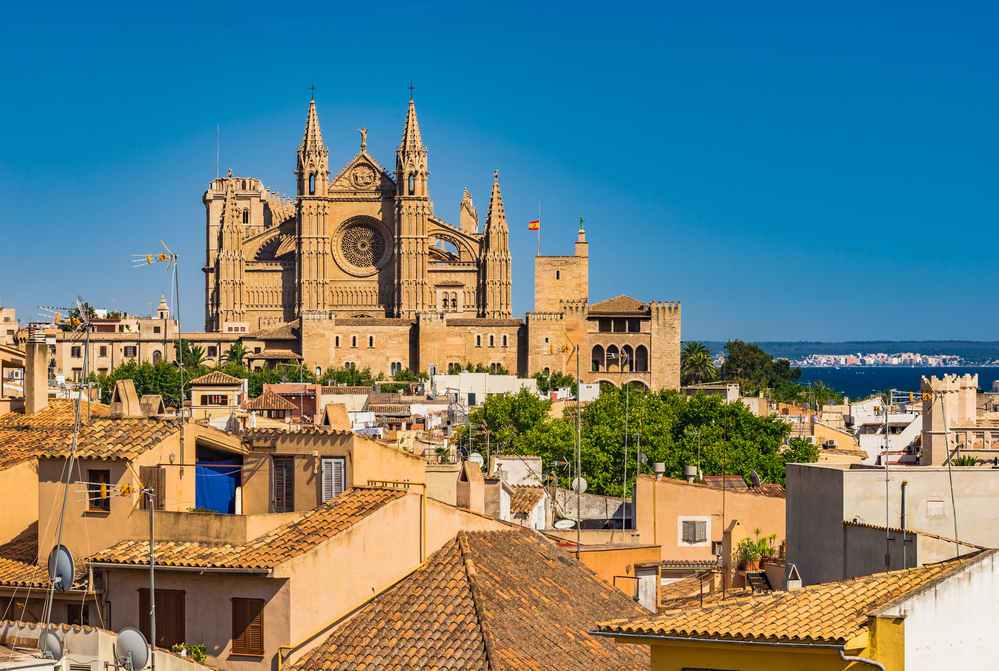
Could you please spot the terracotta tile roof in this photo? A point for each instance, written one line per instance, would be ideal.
(275, 354)
(525, 498)
(488, 601)
(18, 567)
(832, 612)
(284, 331)
(49, 433)
(216, 377)
(270, 401)
(273, 548)
(619, 305)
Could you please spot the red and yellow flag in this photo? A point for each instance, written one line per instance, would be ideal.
(534, 225)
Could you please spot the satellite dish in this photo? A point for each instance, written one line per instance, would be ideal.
(61, 570)
(643, 459)
(565, 524)
(131, 650)
(754, 477)
(50, 645)
(476, 458)
(579, 485)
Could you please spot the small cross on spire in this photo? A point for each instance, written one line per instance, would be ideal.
(411, 89)
(313, 90)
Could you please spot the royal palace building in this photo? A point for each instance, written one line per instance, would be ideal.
(358, 270)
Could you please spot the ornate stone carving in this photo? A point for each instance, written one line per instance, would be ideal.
(361, 247)
(363, 176)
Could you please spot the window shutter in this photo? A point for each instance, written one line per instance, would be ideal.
(688, 532)
(700, 532)
(327, 483)
(284, 492)
(339, 476)
(334, 475)
(153, 477)
(248, 626)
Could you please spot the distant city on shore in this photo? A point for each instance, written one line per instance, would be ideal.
(912, 354)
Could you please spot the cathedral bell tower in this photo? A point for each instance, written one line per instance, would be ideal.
(313, 241)
(413, 209)
(495, 273)
(230, 262)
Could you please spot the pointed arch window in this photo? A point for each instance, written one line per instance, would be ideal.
(412, 184)
(312, 183)
(641, 359)
(597, 358)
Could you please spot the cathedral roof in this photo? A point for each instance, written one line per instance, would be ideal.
(312, 140)
(412, 140)
(619, 305)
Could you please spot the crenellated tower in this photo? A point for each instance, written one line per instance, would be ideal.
(312, 240)
(230, 262)
(495, 273)
(413, 210)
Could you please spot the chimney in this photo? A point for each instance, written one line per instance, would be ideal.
(36, 373)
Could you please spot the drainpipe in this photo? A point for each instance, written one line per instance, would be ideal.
(905, 484)
(861, 660)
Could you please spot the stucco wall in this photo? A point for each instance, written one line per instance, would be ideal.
(685, 657)
(616, 566)
(19, 497)
(442, 482)
(444, 522)
(815, 522)
(663, 504)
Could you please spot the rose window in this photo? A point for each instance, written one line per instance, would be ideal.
(362, 246)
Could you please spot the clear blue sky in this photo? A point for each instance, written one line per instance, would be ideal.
(786, 171)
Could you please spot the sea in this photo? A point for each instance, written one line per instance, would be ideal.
(859, 381)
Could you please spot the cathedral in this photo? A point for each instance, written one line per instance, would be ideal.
(359, 271)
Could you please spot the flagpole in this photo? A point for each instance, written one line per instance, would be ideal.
(539, 228)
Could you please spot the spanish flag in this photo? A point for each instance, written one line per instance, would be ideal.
(534, 225)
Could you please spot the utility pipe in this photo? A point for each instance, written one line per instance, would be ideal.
(861, 660)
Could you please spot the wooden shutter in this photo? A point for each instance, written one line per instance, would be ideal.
(688, 532)
(700, 532)
(334, 477)
(247, 626)
(284, 484)
(153, 477)
(170, 616)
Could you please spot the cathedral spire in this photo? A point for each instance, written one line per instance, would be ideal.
(497, 215)
(313, 157)
(411, 138)
(232, 230)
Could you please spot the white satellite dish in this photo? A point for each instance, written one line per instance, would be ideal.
(579, 485)
(50, 645)
(565, 524)
(61, 569)
(476, 458)
(131, 650)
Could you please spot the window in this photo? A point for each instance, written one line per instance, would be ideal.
(547, 371)
(334, 477)
(604, 325)
(156, 329)
(248, 626)
(717, 548)
(98, 489)
(620, 325)
(412, 183)
(284, 484)
(453, 368)
(77, 613)
(349, 364)
(494, 368)
(693, 531)
(935, 508)
(246, 216)
(371, 341)
(154, 478)
(130, 351)
(491, 340)
(634, 326)
(396, 367)
(77, 374)
(76, 351)
(478, 341)
(157, 356)
(312, 184)
(353, 341)
(641, 359)
(170, 618)
(558, 274)
(213, 351)
(214, 399)
(504, 341)
(336, 341)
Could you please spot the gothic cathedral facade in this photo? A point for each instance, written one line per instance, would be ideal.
(358, 270)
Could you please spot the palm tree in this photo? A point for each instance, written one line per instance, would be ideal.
(191, 357)
(696, 364)
(236, 353)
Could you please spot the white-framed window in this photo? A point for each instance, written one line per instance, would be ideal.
(334, 477)
(693, 531)
(935, 508)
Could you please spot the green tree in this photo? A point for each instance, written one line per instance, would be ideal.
(236, 353)
(192, 357)
(555, 380)
(161, 378)
(696, 364)
(351, 377)
(754, 369)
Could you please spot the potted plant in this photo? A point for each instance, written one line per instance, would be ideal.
(751, 551)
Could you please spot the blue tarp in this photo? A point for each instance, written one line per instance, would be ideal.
(215, 485)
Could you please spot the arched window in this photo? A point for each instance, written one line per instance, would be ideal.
(348, 365)
(157, 356)
(613, 358)
(336, 341)
(412, 183)
(478, 340)
(558, 274)
(641, 359)
(547, 371)
(353, 341)
(494, 368)
(454, 301)
(312, 184)
(453, 368)
(492, 340)
(504, 340)
(371, 341)
(627, 359)
(246, 216)
(598, 359)
(396, 367)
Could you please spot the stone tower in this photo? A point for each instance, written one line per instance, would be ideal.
(413, 211)
(468, 218)
(230, 263)
(496, 259)
(313, 243)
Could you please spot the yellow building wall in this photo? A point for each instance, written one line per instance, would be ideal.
(19, 487)
(680, 656)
